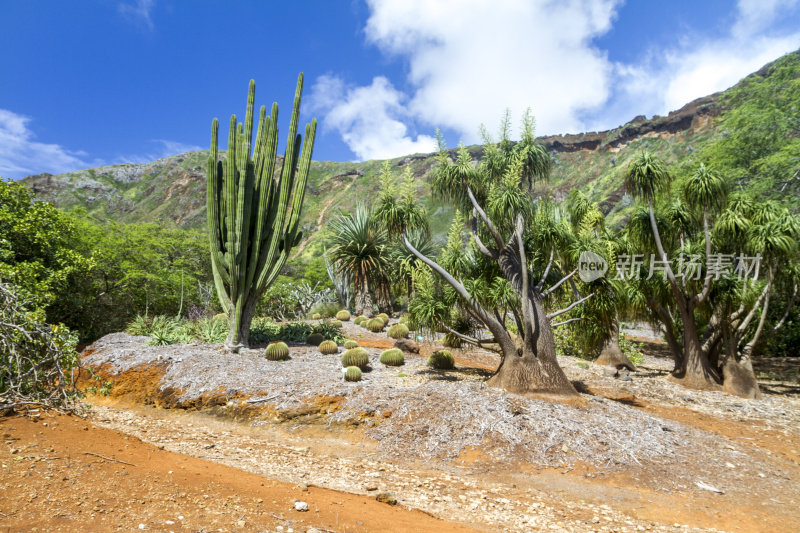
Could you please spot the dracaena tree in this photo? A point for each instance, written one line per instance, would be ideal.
(714, 313)
(508, 262)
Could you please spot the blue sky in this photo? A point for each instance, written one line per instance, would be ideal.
(94, 82)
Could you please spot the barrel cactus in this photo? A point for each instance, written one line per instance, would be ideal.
(343, 315)
(277, 351)
(384, 317)
(403, 319)
(375, 325)
(336, 323)
(316, 316)
(393, 357)
(314, 339)
(328, 347)
(451, 341)
(355, 357)
(398, 331)
(441, 360)
(349, 344)
(360, 320)
(352, 373)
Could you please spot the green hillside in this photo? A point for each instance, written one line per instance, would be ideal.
(750, 131)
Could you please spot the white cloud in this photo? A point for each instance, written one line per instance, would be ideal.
(370, 119)
(469, 60)
(21, 155)
(166, 149)
(667, 79)
(138, 12)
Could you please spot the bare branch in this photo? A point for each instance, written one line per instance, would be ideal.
(498, 239)
(546, 272)
(482, 247)
(557, 285)
(786, 312)
(569, 307)
(566, 322)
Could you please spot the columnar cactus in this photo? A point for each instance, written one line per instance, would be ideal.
(253, 216)
(277, 351)
(393, 357)
(328, 347)
(355, 357)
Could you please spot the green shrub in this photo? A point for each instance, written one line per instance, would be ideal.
(631, 350)
(277, 351)
(393, 357)
(375, 325)
(328, 347)
(349, 344)
(315, 339)
(326, 309)
(441, 360)
(352, 373)
(263, 331)
(210, 331)
(165, 330)
(140, 326)
(355, 357)
(398, 331)
(343, 315)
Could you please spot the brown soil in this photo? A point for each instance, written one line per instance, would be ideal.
(61, 473)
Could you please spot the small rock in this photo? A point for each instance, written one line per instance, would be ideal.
(301, 506)
(386, 497)
(407, 345)
(241, 523)
(626, 377)
(371, 488)
(610, 371)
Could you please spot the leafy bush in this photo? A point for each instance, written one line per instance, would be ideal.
(210, 330)
(36, 357)
(326, 309)
(263, 330)
(393, 357)
(355, 357)
(277, 351)
(352, 373)
(140, 326)
(315, 339)
(441, 360)
(631, 350)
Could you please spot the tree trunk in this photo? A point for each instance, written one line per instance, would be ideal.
(696, 372)
(383, 297)
(239, 330)
(363, 299)
(536, 372)
(611, 354)
(739, 378)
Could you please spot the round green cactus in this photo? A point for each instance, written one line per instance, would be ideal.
(336, 323)
(316, 316)
(343, 315)
(349, 344)
(375, 325)
(393, 357)
(442, 360)
(360, 320)
(352, 373)
(451, 341)
(328, 347)
(314, 339)
(355, 357)
(398, 331)
(384, 317)
(403, 319)
(277, 351)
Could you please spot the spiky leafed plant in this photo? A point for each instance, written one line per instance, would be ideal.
(360, 247)
(253, 216)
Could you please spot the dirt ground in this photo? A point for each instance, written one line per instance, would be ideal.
(144, 460)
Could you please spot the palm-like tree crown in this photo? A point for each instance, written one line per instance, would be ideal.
(646, 176)
(359, 243)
